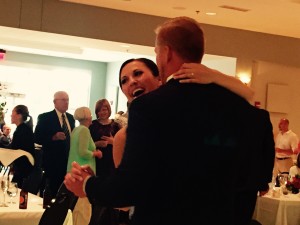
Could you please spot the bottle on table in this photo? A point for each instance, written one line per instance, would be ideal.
(47, 196)
(23, 195)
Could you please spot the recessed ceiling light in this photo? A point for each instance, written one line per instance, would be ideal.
(211, 13)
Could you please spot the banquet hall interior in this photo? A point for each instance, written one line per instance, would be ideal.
(41, 39)
(78, 46)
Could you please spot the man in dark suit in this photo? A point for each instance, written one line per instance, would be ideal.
(181, 165)
(49, 133)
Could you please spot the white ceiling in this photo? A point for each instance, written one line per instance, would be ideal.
(42, 43)
(279, 17)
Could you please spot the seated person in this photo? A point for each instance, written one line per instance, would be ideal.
(296, 168)
(5, 138)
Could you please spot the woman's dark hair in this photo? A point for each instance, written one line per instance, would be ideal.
(148, 63)
(23, 110)
(29, 122)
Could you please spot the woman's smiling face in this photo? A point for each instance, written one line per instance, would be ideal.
(137, 79)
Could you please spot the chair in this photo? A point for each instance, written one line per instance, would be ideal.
(35, 180)
(58, 210)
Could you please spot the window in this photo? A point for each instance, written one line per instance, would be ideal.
(35, 88)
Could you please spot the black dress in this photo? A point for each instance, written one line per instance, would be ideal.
(22, 139)
(105, 165)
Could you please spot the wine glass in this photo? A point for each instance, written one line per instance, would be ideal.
(12, 191)
(283, 179)
(4, 187)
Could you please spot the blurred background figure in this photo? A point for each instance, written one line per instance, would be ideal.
(83, 150)
(294, 170)
(103, 130)
(121, 118)
(5, 138)
(23, 139)
(286, 143)
(55, 145)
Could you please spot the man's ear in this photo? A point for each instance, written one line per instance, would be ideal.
(169, 53)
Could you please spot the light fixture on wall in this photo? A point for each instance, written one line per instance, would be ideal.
(2, 54)
(245, 78)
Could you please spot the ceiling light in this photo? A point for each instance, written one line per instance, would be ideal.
(211, 13)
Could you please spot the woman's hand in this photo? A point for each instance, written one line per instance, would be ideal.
(195, 73)
(198, 73)
(109, 139)
(74, 180)
(101, 143)
(97, 153)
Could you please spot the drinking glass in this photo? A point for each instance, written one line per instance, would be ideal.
(4, 187)
(283, 179)
(12, 191)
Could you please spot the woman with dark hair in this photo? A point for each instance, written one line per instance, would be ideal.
(140, 76)
(22, 139)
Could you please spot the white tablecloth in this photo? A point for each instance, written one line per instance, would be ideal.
(278, 211)
(7, 156)
(12, 215)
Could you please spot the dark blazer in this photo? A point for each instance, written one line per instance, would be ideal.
(55, 153)
(22, 139)
(183, 152)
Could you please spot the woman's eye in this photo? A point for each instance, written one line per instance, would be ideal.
(137, 73)
(123, 81)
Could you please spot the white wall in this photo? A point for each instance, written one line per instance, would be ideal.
(264, 73)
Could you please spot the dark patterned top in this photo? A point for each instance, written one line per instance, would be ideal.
(105, 165)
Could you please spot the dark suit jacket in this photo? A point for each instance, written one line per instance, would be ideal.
(182, 156)
(55, 153)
